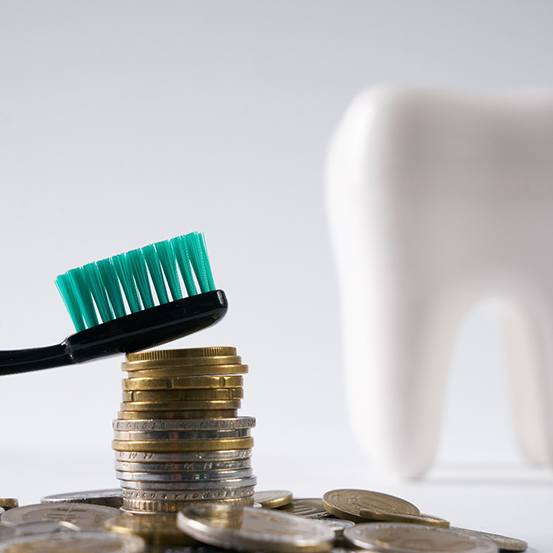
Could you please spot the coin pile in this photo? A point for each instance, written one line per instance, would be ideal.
(178, 437)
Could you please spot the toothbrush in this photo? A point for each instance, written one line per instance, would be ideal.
(112, 305)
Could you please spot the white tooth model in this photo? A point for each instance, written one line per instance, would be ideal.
(436, 201)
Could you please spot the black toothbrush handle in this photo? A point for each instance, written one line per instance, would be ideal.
(137, 331)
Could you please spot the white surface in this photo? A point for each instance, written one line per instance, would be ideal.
(437, 201)
(123, 123)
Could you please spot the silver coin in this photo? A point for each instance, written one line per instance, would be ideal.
(85, 516)
(412, 538)
(183, 467)
(69, 542)
(109, 498)
(337, 525)
(249, 529)
(183, 457)
(182, 476)
(9, 531)
(183, 424)
(504, 543)
(186, 495)
(228, 483)
(171, 435)
(311, 507)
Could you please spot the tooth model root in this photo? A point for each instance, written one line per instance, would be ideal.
(438, 201)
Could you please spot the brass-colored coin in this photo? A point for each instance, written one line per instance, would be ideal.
(157, 354)
(187, 364)
(413, 538)
(152, 528)
(185, 445)
(425, 520)
(307, 507)
(8, 503)
(249, 529)
(183, 395)
(504, 543)
(174, 371)
(273, 499)
(183, 382)
(74, 542)
(180, 405)
(181, 414)
(347, 503)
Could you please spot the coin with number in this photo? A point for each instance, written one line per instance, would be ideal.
(249, 529)
(504, 543)
(74, 542)
(411, 538)
(85, 516)
(273, 499)
(158, 529)
(347, 503)
(426, 520)
(307, 507)
(110, 498)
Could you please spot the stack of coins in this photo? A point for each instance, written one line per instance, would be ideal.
(178, 437)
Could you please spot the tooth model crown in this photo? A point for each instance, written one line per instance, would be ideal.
(436, 201)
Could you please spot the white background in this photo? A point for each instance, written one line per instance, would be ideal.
(124, 123)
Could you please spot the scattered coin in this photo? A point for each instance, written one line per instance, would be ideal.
(426, 520)
(109, 498)
(347, 503)
(411, 538)
(158, 529)
(249, 529)
(273, 499)
(337, 525)
(308, 508)
(7, 503)
(504, 543)
(74, 542)
(32, 528)
(85, 516)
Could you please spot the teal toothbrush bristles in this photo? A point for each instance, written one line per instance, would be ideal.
(139, 279)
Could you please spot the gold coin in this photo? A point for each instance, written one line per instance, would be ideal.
(173, 371)
(273, 499)
(183, 382)
(153, 446)
(154, 529)
(181, 414)
(8, 503)
(347, 503)
(180, 405)
(188, 363)
(311, 507)
(425, 520)
(157, 354)
(183, 395)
